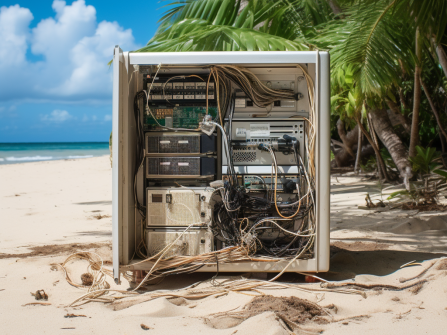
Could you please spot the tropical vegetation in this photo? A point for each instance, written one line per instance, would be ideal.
(388, 64)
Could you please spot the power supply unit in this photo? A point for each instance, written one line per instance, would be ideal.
(178, 207)
(193, 242)
(180, 167)
(179, 143)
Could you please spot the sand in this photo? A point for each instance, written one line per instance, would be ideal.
(49, 210)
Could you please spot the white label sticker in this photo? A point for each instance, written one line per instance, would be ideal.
(183, 142)
(241, 132)
(165, 163)
(165, 142)
(183, 164)
(260, 130)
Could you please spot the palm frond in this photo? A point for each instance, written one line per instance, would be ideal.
(372, 38)
(196, 35)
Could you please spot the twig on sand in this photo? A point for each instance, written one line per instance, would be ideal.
(403, 280)
(373, 286)
(38, 303)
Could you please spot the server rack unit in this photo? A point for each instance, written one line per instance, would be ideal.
(249, 123)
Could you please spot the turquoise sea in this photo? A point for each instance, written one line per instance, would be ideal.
(12, 153)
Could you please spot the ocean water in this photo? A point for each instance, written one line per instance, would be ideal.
(13, 153)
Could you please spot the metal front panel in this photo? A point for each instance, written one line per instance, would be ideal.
(252, 157)
(323, 162)
(190, 243)
(172, 166)
(116, 199)
(223, 57)
(178, 207)
(172, 143)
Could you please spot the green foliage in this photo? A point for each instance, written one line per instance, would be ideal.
(223, 25)
(399, 194)
(428, 190)
(442, 173)
(424, 161)
(371, 45)
(371, 163)
(371, 39)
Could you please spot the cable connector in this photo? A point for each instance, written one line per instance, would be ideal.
(298, 96)
(207, 126)
(262, 147)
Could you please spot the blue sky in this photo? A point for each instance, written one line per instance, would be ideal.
(55, 85)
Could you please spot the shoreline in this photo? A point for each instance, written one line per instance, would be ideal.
(15, 162)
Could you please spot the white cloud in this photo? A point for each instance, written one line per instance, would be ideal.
(107, 117)
(56, 116)
(75, 49)
(14, 35)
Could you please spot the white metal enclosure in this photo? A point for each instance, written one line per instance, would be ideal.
(126, 83)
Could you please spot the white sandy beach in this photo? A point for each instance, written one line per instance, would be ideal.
(49, 210)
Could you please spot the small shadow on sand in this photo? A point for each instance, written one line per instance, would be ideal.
(347, 262)
(105, 202)
(96, 233)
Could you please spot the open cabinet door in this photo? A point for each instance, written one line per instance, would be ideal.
(116, 133)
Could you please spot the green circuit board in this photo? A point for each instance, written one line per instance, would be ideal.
(180, 117)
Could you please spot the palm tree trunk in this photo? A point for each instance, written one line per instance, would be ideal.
(384, 129)
(441, 56)
(433, 108)
(381, 167)
(404, 121)
(344, 138)
(380, 162)
(414, 137)
(359, 151)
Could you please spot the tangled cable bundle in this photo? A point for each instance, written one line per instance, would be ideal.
(123, 299)
(99, 291)
(261, 94)
(95, 271)
(240, 219)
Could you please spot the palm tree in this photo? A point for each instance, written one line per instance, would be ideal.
(379, 39)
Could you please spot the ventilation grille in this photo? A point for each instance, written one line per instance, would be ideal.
(173, 166)
(173, 144)
(189, 244)
(244, 156)
(184, 246)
